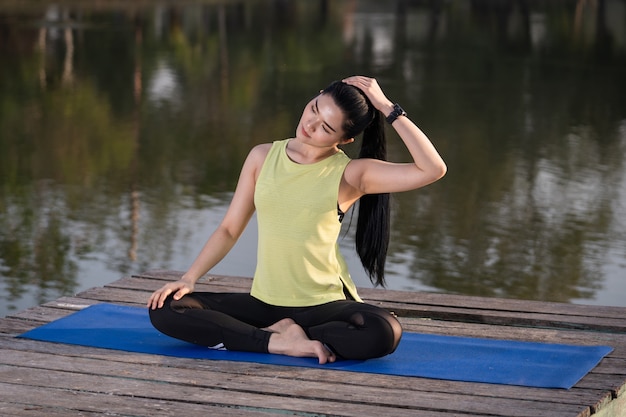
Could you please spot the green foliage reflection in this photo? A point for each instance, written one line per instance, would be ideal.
(113, 119)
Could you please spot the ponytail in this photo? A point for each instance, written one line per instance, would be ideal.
(373, 224)
(374, 221)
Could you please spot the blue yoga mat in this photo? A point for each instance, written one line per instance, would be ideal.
(419, 355)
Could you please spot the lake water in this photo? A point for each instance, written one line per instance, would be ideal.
(123, 126)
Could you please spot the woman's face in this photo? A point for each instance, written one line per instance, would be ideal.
(322, 122)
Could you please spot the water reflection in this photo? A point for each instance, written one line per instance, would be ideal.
(123, 128)
(164, 86)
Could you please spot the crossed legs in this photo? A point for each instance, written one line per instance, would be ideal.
(237, 321)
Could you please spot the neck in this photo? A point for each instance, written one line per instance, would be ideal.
(306, 154)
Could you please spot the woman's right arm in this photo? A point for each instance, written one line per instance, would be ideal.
(225, 236)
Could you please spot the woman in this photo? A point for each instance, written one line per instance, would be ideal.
(303, 301)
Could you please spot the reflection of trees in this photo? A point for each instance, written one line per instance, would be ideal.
(34, 248)
(57, 140)
(527, 194)
(119, 125)
(73, 122)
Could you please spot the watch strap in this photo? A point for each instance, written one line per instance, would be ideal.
(395, 113)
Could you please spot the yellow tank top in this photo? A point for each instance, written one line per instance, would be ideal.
(298, 258)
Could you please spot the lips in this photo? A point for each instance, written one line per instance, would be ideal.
(304, 132)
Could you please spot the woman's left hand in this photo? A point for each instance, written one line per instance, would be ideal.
(372, 90)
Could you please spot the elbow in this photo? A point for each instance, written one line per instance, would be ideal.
(442, 169)
(229, 234)
(438, 171)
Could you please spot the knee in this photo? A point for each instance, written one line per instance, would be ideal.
(385, 332)
(157, 317)
(395, 334)
(162, 317)
(390, 333)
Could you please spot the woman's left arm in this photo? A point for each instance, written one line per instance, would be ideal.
(372, 176)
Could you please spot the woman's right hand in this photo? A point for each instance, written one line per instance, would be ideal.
(178, 288)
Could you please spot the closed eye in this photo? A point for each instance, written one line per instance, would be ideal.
(325, 125)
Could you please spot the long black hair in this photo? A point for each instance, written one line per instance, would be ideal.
(373, 224)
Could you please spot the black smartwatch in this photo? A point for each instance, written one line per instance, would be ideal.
(395, 113)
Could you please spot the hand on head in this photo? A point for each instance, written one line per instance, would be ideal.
(371, 89)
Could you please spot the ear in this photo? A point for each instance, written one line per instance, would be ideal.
(346, 141)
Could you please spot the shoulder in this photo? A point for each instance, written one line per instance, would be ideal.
(255, 159)
(260, 151)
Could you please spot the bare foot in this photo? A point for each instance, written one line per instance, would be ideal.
(290, 339)
(279, 326)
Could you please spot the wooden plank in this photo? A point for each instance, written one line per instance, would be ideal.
(331, 390)
(597, 392)
(616, 408)
(123, 395)
(36, 348)
(494, 304)
(189, 385)
(43, 314)
(27, 410)
(40, 315)
(428, 298)
(13, 327)
(110, 292)
(122, 296)
(41, 360)
(289, 374)
(494, 332)
(467, 309)
(36, 401)
(510, 318)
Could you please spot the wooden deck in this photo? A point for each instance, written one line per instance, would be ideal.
(48, 379)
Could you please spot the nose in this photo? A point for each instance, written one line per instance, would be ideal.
(312, 123)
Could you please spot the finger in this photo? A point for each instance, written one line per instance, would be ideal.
(152, 302)
(180, 293)
(163, 296)
(352, 80)
(366, 84)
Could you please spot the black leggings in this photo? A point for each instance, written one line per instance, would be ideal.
(352, 330)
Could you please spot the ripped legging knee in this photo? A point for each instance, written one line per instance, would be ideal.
(235, 321)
